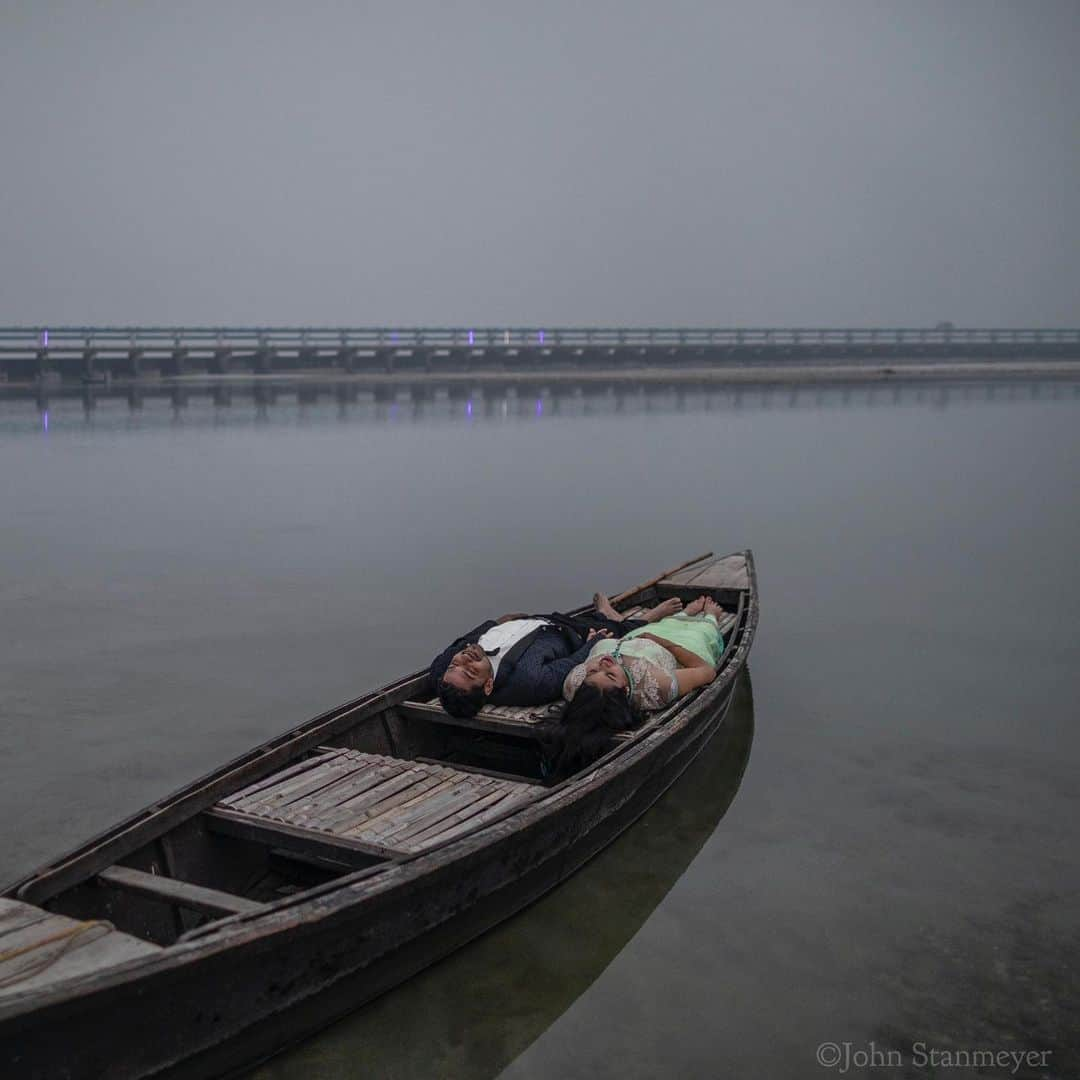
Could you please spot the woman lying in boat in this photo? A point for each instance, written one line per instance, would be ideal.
(524, 659)
(646, 670)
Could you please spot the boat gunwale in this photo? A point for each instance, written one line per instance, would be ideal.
(368, 883)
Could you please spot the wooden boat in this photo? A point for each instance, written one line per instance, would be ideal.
(281, 891)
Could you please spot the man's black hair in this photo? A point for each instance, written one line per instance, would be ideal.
(586, 730)
(461, 703)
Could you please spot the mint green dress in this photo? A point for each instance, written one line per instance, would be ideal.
(650, 667)
(700, 634)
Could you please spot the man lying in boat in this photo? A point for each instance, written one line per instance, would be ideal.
(523, 659)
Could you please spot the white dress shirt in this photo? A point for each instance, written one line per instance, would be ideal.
(501, 638)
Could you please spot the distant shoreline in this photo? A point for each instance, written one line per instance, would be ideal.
(725, 375)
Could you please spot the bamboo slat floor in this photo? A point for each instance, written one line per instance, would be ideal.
(402, 806)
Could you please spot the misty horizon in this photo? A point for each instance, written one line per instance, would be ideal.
(625, 164)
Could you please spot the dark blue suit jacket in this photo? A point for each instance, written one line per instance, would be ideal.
(533, 671)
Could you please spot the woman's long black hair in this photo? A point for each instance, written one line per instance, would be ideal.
(586, 730)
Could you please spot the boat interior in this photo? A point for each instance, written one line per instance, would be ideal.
(388, 778)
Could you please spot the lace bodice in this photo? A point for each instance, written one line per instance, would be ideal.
(650, 666)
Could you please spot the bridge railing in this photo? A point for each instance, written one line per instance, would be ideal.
(157, 338)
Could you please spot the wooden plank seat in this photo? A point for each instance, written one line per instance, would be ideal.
(182, 893)
(500, 719)
(346, 802)
(724, 576)
(38, 948)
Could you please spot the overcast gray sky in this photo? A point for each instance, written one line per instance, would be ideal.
(842, 162)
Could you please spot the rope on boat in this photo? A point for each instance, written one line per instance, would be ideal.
(67, 936)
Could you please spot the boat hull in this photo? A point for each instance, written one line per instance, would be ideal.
(226, 993)
(223, 1008)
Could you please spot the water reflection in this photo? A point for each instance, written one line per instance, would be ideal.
(471, 1015)
(416, 402)
(888, 871)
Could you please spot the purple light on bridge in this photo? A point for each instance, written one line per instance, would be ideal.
(468, 408)
(45, 420)
(44, 339)
(540, 336)
(539, 407)
(472, 338)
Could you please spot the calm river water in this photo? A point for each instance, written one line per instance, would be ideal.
(897, 872)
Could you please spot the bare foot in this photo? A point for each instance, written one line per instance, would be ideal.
(603, 606)
(662, 610)
(696, 607)
(713, 608)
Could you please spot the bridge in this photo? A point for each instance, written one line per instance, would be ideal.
(101, 353)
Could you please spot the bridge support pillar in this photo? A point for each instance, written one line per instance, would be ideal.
(42, 364)
(88, 358)
(346, 393)
(220, 362)
(633, 356)
(175, 363)
(264, 360)
(132, 364)
(457, 359)
(595, 357)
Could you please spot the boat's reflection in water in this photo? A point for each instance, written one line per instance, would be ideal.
(471, 1015)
